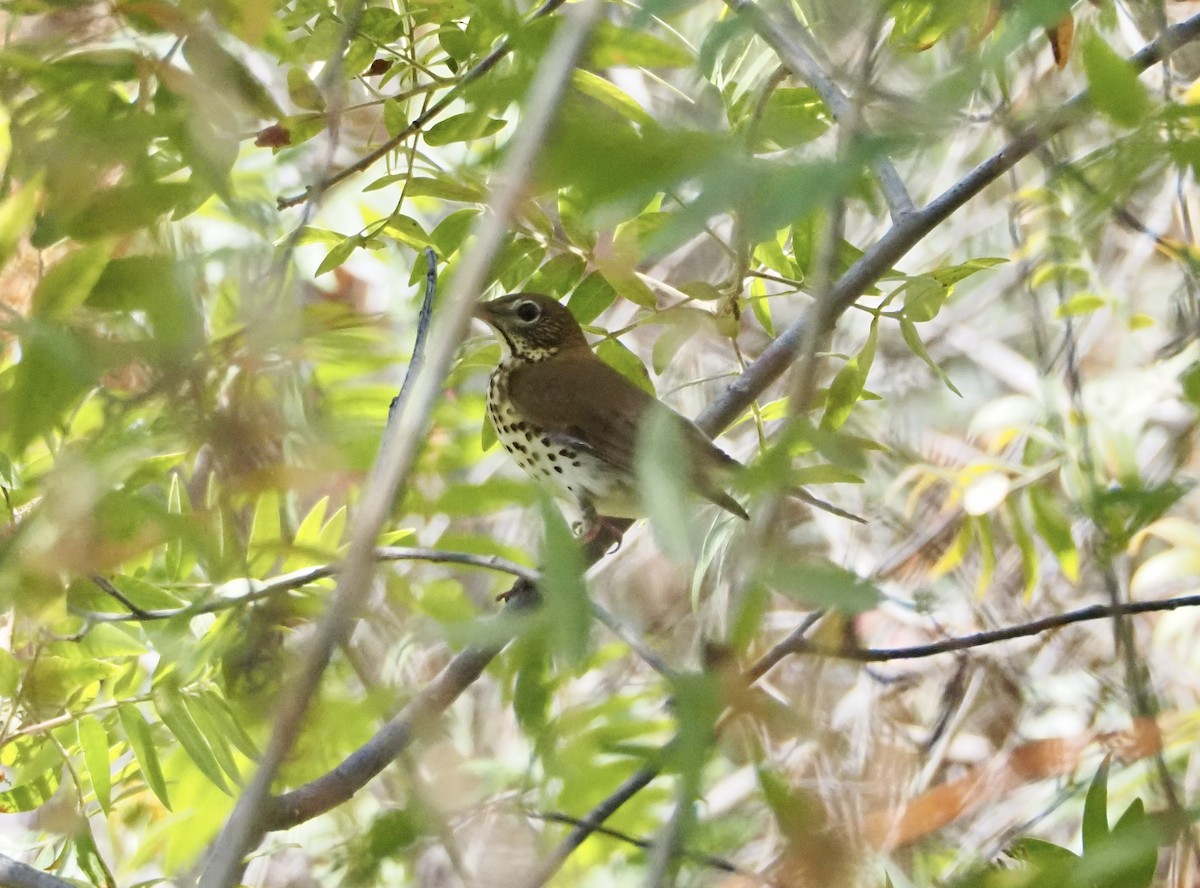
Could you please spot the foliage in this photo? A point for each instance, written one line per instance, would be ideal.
(205, 321)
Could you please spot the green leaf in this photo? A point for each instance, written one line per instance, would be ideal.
(126, 208)
(849, 382)
(567, 606)
(594, 294)
(226, 75)
(339, 254)
(1113, 85)
(626, 363)
(790, 117)
(1024, 542)
(107, 641)
(1055, 528)
(407, 230)
(17, 212)
(69, 281)
(1080, 304)
(909, 331)
(34, 780)
(823, 473)
(462, 128)
(218, 713)
(303, 92)
(797, 814)
(93, 740)
(821, 583)
(610, 95)
(57, 367)
(137, 731)
(174, 713)
(558, 275)
(444, 188)
(447, 236)
(952, 274)
(664, 485)
(1095, 810)
(614, 46)
(10, 674)
(924, 297)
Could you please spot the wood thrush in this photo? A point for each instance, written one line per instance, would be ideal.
(571, 421)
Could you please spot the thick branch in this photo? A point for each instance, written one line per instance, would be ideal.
(340, 784)
(14, 874)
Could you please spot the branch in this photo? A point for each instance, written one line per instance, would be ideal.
(800, 62)
(908, 232)
(14, 874)
(707, 859)
(795, 644)
(590, 824)
(424, 316)
(339, 785)
(298, 579)
(401, 442)
(485, 64)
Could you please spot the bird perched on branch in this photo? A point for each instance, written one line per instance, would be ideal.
(572, 422)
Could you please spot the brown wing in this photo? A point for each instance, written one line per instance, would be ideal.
(581, 400)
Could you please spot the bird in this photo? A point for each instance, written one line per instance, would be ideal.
(572, 422)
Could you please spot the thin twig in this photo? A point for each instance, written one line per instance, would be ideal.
(589, 824)
(298, 579)
(977, 639)
(113, 592)
(424, 316)
(707, 859)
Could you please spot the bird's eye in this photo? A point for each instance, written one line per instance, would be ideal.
(528, 311)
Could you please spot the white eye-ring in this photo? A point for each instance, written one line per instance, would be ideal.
(528, 311)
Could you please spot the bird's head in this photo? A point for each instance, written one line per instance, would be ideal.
(532, 327)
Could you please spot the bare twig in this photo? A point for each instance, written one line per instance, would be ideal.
(424, 316)
(485, 64)
(589, 824)
(707, 859)
(401, 443)
(796, 644)
(298, 579)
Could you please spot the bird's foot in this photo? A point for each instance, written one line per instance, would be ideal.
(595, 529)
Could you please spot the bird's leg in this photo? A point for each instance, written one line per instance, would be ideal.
(592, 525)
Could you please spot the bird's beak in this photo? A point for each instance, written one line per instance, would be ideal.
(484, 312)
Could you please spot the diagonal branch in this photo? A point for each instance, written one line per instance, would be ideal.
(784, 38)
(14, 874)
(908, 232)
(401, 442)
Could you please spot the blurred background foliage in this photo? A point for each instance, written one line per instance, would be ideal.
(198, 361)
